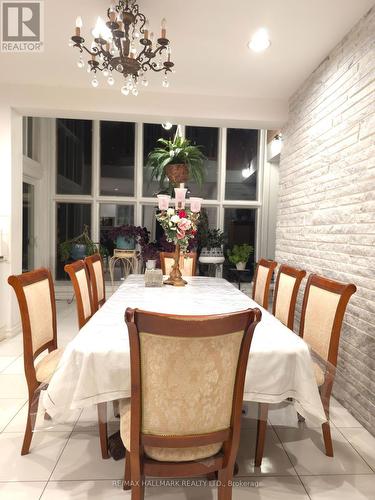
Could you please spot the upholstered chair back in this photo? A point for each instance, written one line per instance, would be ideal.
(287, 285)
(189, 369)
(36, 298)
(323, 311)
(80, 279)
(262, 281)
(188, 263)
(94, 265)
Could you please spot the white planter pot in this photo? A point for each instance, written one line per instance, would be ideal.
(151, 264)
(241, 266)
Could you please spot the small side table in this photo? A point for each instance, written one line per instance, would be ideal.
(127, 258)
(239, 274)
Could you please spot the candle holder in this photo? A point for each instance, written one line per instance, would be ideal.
(175, 276)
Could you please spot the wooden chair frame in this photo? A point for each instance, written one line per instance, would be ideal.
(18, 283)
(171, 255)
(90, 261)
(137, 464)
(298, 274)
(271, 264)
(72, 269)
(346, 291)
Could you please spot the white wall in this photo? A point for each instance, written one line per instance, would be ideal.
(326, 214)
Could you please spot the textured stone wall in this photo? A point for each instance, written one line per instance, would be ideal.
(326, 210)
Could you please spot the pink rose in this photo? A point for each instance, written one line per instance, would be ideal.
(180, 235)
(184, 225)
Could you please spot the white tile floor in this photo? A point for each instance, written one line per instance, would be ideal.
(65, 460)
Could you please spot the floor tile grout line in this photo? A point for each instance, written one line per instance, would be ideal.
(354, 448)
(57, 461)
(11, 420)
(287, 454)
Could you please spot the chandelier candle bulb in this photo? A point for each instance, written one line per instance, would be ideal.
(79, 25)
(163, 28)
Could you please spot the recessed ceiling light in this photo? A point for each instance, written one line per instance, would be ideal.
(259, 41)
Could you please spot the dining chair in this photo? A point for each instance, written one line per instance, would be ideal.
(36, 300)
(184, 415)
(79, 277)
(262, 281)
(323, 308)
(95, 268)
(188, 263)
(287, 285)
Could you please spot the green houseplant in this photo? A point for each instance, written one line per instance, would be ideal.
(239, 255)
(178, 161)
(78, 247)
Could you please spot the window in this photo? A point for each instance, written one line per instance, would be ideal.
(239, 228)
(111, 216)
(151, 134)
(117, 147)
(74, 156)
(208, 138)
(242, 164)
(71, 219)
(109, 157)
(30, 130)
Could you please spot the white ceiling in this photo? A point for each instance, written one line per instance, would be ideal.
(209, 40)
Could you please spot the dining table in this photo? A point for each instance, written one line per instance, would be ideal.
(95, 366)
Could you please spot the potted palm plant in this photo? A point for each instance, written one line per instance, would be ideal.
(239, 255)
(178, 161)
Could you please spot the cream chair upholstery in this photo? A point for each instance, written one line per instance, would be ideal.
(94, 265)
(187, 387)
(85, 293)
(46, 367)
(80, 280)
(320, 313)
(262, 281)
(98, 270)
(287, 285)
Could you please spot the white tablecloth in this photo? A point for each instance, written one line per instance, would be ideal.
(95, 366)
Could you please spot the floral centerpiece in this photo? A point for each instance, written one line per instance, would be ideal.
(180, 226)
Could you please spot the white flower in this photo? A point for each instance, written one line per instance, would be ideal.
(175, 219)
(170, 211)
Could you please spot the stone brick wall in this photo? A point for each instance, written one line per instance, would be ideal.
(326, 210)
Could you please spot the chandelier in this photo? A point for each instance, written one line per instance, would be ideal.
(125, 45)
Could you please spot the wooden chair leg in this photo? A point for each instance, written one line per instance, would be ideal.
(138, 488)
(30, 424)
(327, 439)
(261, 433)
(127, 476)
(225, 479)
(102, 423)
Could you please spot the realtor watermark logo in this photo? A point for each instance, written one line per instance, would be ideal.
(22, 26)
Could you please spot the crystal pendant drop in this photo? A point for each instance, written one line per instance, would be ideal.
(165, 82)
(81, 63)
(124, 90)
(110, 80)
(95, 83)
(105, 73)
(135, 91)
(144, 82)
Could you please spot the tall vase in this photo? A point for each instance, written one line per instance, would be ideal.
(175, 277)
